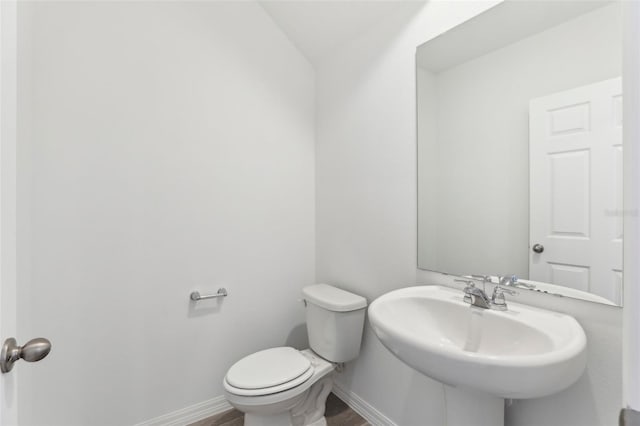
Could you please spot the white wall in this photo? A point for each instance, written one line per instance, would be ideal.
(483, 134)
(366, 215)
(163, 147)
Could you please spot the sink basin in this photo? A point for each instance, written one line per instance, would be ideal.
(524, 352)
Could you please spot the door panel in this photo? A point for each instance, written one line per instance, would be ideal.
(576, 188)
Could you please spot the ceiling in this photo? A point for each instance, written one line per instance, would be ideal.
(317, 27)
(499, 26)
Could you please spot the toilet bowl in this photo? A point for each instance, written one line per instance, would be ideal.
(284, 386)
(298, 401)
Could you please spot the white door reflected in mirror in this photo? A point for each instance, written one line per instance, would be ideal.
(575, 165)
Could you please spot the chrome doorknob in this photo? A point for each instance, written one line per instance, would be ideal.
(32, 351)
(538, 248)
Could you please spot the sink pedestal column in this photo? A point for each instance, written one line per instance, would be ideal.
(466, 407)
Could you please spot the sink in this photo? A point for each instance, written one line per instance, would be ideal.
(524, 352)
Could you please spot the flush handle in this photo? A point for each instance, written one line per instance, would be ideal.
(32, 351)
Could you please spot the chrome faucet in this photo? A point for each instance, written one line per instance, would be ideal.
(474, 295)
(477, 297)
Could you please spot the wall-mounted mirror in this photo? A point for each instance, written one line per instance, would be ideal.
(520, 147)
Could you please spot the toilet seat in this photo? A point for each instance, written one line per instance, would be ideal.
(269, 371)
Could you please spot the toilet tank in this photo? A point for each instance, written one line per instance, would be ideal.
(335, 320)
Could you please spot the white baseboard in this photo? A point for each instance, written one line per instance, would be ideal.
(362, 407)
(190, 414)
(219, 404)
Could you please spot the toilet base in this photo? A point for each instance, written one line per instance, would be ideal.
(309, 411)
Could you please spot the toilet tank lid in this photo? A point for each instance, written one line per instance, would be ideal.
(332, 298)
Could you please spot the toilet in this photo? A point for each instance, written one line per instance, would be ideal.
(284, 386)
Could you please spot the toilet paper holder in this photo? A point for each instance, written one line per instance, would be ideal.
(195, 295)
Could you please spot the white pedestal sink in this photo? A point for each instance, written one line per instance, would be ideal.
(482, 355)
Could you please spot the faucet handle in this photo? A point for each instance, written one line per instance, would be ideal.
(498, 301)
(470, 285)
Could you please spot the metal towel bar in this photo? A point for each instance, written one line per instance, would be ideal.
(195, 296)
